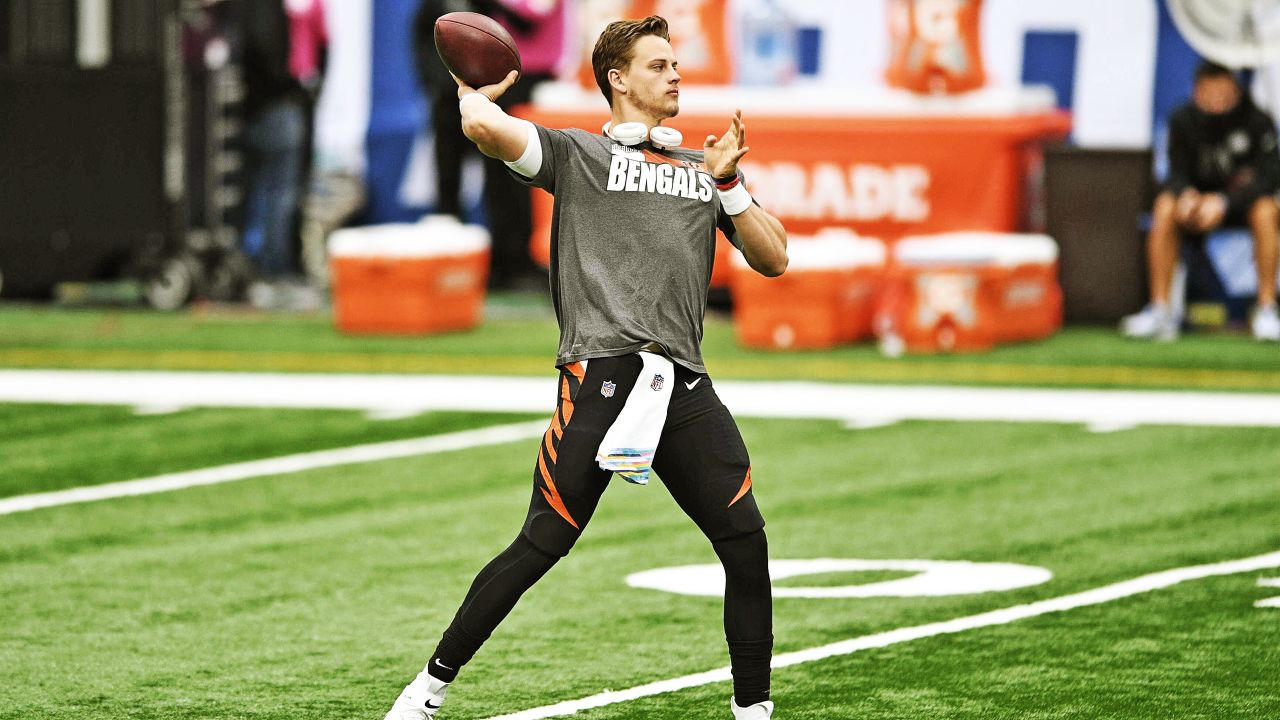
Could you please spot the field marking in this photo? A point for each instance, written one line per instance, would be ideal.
(855, 405)
(1273, 602)
(1096, 596)
(929, 578)
(843, 369)
(372, 452)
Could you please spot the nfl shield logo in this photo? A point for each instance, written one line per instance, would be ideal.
(657, 382)
(607, 389)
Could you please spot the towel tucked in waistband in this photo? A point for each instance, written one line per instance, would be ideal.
(631, 441)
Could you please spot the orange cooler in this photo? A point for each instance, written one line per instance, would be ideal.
(970, 291)
(825, 298)
(409, 279)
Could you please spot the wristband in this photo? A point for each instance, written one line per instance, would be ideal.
(736, 199)
(462, 102)
(728, 183)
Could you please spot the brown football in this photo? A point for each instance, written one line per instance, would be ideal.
(475, 48)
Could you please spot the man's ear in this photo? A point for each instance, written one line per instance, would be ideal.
(617, 82)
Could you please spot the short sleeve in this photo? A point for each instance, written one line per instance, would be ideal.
(724, 221)
(556, 149)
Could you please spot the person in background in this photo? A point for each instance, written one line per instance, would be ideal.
(308, 42)
(1224, 170)
(538, 28)
(283, 47)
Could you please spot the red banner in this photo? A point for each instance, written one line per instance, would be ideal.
(884, 177)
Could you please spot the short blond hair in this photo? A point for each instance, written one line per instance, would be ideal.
(616, 47)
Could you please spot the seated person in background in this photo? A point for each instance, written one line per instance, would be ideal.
(1224, 170)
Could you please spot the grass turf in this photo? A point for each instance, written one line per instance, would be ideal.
(318, 594)
(520, 338)
(53, 447)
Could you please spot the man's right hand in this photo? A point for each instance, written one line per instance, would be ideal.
(1186, 208)
(1200, 212)
(493, 92)
(494, 132)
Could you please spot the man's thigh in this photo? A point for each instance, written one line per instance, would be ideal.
(567, 481)
(704, 464)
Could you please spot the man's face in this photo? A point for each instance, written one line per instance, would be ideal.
(652, 80)
(1216, 95)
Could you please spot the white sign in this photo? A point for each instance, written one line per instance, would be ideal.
(827, 191)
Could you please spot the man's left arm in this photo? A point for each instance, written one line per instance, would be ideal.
(1265, 164)
(764, 240)
(762, 237)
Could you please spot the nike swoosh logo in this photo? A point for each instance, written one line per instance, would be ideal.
(429, 706)
(691, 384)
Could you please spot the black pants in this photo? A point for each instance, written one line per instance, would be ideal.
(703, 462)
(701, 457)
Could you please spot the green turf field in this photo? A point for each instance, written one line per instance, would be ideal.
(520, 337)
(318, 594)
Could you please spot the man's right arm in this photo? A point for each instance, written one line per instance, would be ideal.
(1181, 148)
(494, 132)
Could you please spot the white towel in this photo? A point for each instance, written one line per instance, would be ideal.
(632, 439)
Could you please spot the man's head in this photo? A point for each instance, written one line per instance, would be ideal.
(1216, 91)
(634, 64)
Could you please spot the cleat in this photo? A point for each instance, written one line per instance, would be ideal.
(1266, 324)
(1153, 322)
(420, 699)
(759, 711)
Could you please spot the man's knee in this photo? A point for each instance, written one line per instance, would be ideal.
(1165, 214)
(744, 554)
(1264, 212)
(551, 535)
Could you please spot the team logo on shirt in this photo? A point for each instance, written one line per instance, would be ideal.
(629, 174)
(657, 383)
(1238, 141)
(607, 389)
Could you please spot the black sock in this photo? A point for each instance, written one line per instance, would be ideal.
(492, 596)
(750, 660)
(748, 614)
(450, 655)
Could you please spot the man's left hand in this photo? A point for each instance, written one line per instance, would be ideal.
(722, 154)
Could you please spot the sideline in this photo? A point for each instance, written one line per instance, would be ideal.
(856, 405)
(372, 452)
(833, 369)
(1096, 596)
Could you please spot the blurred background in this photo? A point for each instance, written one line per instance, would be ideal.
(276, 346)
(280, 155)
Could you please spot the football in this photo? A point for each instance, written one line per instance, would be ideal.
(475, 48)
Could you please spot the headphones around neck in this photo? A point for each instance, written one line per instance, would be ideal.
(634, 133)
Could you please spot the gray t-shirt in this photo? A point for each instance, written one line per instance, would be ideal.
(632, 245)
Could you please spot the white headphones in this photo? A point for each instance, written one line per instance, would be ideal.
(634, 133)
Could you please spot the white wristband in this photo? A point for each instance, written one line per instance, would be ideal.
(477, 94)
(735, 200)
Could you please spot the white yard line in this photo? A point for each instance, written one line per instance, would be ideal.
(1096, 596)
(279, 465)
(856, 405)
(1272, 602)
